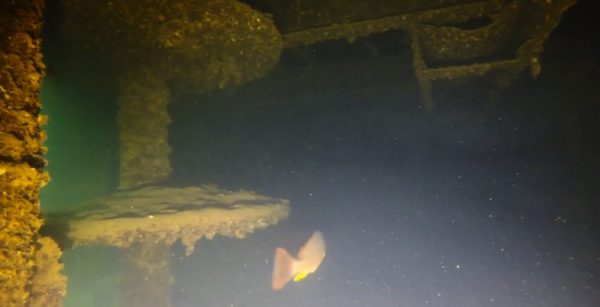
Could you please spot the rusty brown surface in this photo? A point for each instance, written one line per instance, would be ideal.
(21, 149)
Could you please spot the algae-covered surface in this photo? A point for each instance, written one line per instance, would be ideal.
(165, 214)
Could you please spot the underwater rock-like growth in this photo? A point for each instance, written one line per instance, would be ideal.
(21, 156)
(167, 214)
(146, 222)
(195, 45)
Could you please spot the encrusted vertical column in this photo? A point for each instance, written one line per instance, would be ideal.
(148, 279)
(21, 150)
(48, 285)
(143, 129)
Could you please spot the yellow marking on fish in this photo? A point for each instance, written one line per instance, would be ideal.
(300, 276)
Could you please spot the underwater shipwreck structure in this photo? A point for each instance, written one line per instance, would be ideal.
(30, 271)
(163, 49)
(145, 222)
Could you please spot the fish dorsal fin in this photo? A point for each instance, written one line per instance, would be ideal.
(314, 249)
(312, 253)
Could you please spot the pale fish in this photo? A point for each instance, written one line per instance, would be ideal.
(286, 267)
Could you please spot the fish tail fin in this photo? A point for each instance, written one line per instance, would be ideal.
(283, 268)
